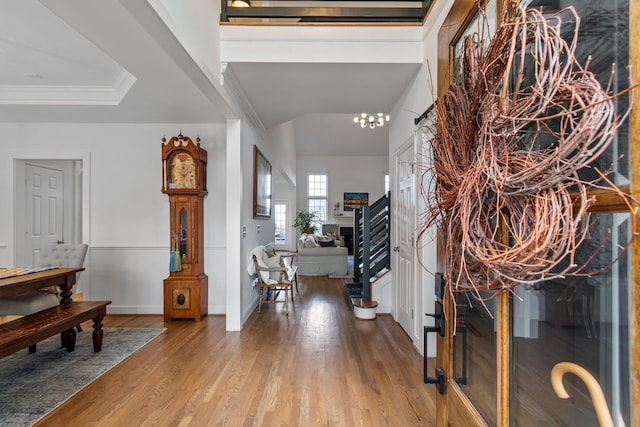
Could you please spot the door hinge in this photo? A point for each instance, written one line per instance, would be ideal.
(412, 313)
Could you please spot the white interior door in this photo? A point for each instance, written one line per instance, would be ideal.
(404, 220)
(45, 203)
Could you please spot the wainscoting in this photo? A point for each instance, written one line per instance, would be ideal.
(131, 277)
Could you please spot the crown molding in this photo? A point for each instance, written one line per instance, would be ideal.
(230, 82)
(69, 94)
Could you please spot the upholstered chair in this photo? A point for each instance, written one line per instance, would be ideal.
(333, 230)
(55, 255)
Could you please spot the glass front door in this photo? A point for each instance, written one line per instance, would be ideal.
(498, 358)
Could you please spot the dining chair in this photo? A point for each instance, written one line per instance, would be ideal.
(54, 255)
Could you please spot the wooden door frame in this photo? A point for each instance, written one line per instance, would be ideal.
(634, 134)
(464, 413)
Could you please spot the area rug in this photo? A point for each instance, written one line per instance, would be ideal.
(31, 385)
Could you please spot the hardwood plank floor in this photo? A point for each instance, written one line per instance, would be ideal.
(319, 366)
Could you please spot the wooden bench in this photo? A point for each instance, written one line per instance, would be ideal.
(28, 330)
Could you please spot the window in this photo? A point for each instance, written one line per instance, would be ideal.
(317, 196)
(280, 214)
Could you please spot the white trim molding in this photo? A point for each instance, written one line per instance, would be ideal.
(68, 95)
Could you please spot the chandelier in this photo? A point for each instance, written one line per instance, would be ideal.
(371, 120)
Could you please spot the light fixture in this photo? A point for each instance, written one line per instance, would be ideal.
(240, 3)
(371, 120)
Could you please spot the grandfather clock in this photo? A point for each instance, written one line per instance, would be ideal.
(184, 180)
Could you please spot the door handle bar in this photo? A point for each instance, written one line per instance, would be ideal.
(438, 327)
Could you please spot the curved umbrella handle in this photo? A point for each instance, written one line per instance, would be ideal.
(597, 396)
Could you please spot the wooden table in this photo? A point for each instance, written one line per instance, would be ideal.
(64, 278)
(28, 330)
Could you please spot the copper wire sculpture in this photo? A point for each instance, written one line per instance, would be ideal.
(504, 200)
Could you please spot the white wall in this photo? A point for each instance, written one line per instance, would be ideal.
(197, 28)
(233, 207)
(321, 44)
(243, 231)
(125, 214)
(282, 141)
(254, 231)
(359, 174)
(251, 231)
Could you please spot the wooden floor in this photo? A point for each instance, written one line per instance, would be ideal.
(319, 366)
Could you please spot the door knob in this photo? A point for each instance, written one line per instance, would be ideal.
(438, 317)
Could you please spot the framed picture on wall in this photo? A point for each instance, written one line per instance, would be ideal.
(261, 185)
(355, 201)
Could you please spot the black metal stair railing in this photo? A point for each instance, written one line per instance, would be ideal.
(371, 243)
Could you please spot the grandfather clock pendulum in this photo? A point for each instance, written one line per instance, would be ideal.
(184, 180)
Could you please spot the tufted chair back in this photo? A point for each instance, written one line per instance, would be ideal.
(63, 255)
(331, 229)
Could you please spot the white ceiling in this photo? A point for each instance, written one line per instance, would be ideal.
(324, 98)
(92, 61)
(65, 61)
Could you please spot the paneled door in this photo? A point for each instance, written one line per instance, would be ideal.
(47, 206)
(404, 227)
(45, 202)
(499, 359)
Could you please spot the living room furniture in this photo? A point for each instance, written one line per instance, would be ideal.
(52, 255)
(273, 275)
(333, 231)
(315, 260)
(330, 230)
(28, 330)
(184, 171)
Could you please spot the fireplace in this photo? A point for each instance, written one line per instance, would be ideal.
(347, 234)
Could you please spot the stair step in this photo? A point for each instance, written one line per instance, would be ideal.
(357, 302)
(355, 293)
(354, 290)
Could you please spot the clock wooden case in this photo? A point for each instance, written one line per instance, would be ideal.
(184, 180)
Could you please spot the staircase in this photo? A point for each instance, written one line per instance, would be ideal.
(371, 253)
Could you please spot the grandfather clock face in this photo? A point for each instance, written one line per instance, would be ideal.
(182, 171)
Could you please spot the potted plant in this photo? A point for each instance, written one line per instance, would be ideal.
(305, 221)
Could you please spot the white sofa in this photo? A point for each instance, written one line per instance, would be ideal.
(321, 261)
